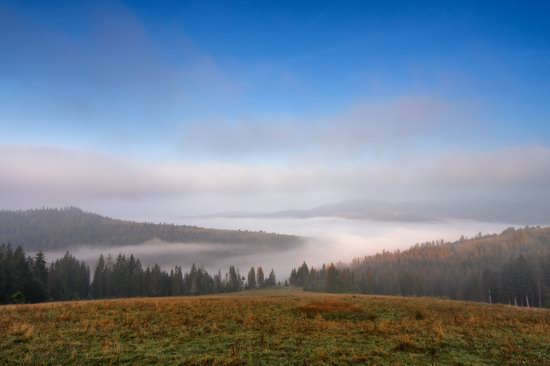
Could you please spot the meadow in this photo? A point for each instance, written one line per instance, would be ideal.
(274, 327)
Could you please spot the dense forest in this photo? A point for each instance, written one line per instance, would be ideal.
(510, 268)
(49, 228)
(26, 279)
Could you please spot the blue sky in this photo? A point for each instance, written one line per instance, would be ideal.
(264, 89)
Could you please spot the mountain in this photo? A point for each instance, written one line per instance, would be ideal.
(513, 212)
(49, 229)
(359, 209)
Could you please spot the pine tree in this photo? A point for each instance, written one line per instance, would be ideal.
(136, 279)
(22, 277)
(98, 282)
(260, 281)
(192, 281)
(218, 283)
(251, 284)
(5, 280)
(177, 282)
(68, 279)
(40, 278)
(332, 279)
(234, 283)
(293, 277)
(301, 274)
(271, 280)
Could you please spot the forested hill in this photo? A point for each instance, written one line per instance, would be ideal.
(512, 267)
(48, 229)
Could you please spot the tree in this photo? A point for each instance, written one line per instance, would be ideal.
(260, 277)
(192, 280)
(251, 284)
(332, 279)
(136, 279)
(5, 273)
(293, 279)
(40, 278)
(177, 282)
(271, 280)
(302, 274)
(217, 285)
(234, 282)
(22, 277)
(68, 279)
(98, 282)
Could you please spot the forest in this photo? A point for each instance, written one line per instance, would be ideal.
(25, 279)
(51, 228)
(510, 268)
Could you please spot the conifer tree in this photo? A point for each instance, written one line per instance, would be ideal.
(98, 282)
(271, 280)
(40, 278)
(260, 280)
(251, 284)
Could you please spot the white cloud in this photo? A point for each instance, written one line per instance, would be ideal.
(43, 175)
(362, 128)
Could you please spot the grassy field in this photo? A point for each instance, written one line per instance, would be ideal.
(274, 327)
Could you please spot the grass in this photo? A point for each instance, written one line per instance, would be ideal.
(274, 327)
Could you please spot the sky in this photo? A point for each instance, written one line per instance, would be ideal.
(168, 109)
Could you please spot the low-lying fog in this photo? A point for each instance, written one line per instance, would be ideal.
(331, 240)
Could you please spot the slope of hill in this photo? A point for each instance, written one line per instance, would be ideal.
(275, 327)
(512, 268)
(48, 229)
(488, 211)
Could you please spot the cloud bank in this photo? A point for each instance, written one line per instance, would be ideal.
(362, 128)
(53, 176)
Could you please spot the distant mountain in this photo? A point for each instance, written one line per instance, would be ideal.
(50, 229)
(521, 213)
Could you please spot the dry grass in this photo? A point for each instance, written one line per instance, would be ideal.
(273, 327)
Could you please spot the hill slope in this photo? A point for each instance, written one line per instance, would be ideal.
(48, 229)
(274, 327)
(489, 211)
(512, 268)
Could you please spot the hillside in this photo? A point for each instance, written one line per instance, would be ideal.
(514, 212)
(48, 229)
(512, 267)
(274, 327)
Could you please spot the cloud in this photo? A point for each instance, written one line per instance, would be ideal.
(43, 175)
(362, 128)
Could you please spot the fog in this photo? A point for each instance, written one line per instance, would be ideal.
(329, 240)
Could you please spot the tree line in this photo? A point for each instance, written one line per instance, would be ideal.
(510, 268)
(54, 229)
(25, 279)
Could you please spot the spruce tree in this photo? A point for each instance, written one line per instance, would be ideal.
(260, 281)
(22, 277)
(272, 279)
(251, 284)
(98, 282)
(40, 278)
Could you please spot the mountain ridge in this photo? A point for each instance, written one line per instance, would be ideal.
(54, 228)
(511, 212)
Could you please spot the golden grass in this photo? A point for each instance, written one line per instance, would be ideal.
(273, 327)
(330, 306)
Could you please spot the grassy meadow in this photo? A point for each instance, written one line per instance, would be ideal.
(273, 327)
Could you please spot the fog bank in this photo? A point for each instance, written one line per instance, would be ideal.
(329, 240)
